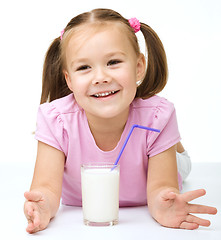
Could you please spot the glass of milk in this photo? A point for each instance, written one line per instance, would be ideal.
(100, 194)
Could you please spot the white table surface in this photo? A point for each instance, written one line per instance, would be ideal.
(134, 223)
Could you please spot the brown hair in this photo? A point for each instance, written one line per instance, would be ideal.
(53, 81)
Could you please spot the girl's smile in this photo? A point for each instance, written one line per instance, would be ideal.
(104, 94)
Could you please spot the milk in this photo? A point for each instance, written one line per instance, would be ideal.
(100, 194)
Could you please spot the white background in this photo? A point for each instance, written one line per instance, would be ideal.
(190, 31)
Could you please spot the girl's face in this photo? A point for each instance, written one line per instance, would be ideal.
(102, 71)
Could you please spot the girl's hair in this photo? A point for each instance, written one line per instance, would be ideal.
(53, 81)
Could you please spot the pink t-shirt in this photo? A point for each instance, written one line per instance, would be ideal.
(63, 124)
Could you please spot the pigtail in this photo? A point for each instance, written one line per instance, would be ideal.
(157, 71)
(53, 81)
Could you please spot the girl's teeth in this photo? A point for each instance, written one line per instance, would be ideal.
(103, 94)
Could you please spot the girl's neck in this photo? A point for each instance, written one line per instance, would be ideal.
(107, 132)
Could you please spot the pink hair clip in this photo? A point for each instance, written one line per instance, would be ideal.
(135, 24)
(62, 32)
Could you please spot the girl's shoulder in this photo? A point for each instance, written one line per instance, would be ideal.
(64, 105)
(155, 111)
(154, 102)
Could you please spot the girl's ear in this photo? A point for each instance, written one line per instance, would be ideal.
(141, 67)
(67, 78)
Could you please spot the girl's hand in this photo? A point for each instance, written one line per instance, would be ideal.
(37, 211)
(173, 210)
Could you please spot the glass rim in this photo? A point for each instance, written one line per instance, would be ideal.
(98, 165)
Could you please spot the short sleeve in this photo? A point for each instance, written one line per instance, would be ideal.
(50, 127)
(165, 120)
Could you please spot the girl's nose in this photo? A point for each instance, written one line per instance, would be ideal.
(100, 77)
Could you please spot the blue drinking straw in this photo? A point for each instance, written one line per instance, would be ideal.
(128, 136)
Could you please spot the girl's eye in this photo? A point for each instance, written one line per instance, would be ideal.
(113, 62)
(82, 68)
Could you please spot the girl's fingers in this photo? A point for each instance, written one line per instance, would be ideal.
(28, 210)
(189, 226)
(32, 229)
(33, 217)
(30, 226)
(193, 222)
(201, 222)
(195, 208)
(36, 219)
(33, 225)
(191, 195)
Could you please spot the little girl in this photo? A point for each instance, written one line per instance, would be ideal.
(96, 85)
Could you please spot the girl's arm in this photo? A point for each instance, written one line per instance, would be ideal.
(165, 203)
(43, 199)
